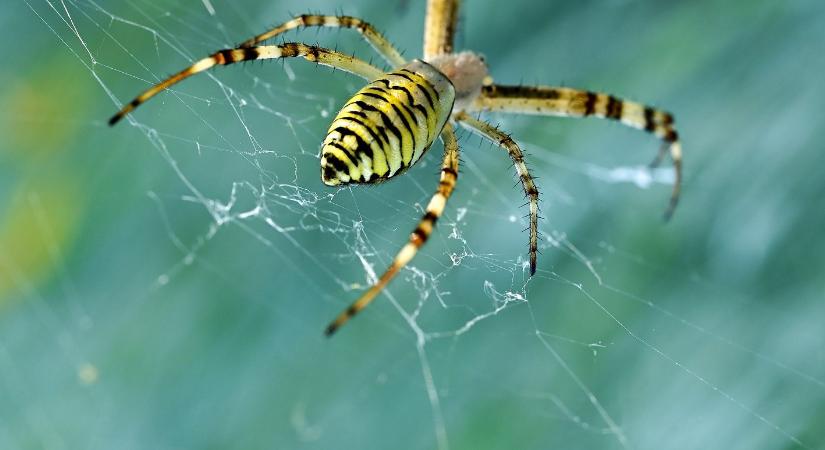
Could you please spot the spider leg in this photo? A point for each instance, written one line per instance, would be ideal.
(504, 141)
(660, 156)
(230, 56)
(439, 27)
(449, 176)
(378, 42)
(561, 101)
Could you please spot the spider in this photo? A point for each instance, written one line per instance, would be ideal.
(388, 125)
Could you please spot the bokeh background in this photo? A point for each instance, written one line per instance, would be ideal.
(164, 284)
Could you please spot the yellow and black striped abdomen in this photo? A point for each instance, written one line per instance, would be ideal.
(386, 126)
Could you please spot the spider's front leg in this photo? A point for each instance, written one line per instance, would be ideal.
(561, 101)
(367, 31)
(439, 27)
(235, 55)
(504, 140)
(419, 236)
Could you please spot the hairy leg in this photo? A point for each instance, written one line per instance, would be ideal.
(504, 141)
(560, 101)
(439, 27)
(230, 56)
(449, 176)
(369, 33)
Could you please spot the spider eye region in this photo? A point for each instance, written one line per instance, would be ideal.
(387, 126)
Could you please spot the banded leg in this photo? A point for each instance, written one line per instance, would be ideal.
(449, 176)
(504, 141)
(559, 101)
(230, 56)
(439, 27)
(376, 40)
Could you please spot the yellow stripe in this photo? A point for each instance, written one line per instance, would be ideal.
(382, 150)
(407, 140)
(354, 171)
(413, 87)
(378, 162)
(424, 135)
(392, 156)
(395, 157)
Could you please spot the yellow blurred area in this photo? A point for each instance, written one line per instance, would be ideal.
(88, 374)
(44, 202)
(36, 231)
(40, 110)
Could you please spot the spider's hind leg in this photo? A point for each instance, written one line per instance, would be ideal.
(419, 236)
(504, 141)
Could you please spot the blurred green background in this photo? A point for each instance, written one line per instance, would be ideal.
(164, 284)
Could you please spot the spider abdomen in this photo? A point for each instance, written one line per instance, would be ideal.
(387, 125)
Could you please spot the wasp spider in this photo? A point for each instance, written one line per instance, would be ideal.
(388, 125)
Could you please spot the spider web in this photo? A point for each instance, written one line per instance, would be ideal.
(196, 317)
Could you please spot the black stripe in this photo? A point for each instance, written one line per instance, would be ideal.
(370, 131)
(340, 166)
(406, 108)
(589, 103)
(247, 53)
(337, 143)
(421, 88)
(422, 236)
(412, 101)
(407, 124)
(427, 95)
(522, 92)
(382, 148)
(368, 124)
(380, 90)
(250, 53)
(430, 216)
(313, 52)
(345, 150)
(450, 170)
(361, 147)
(383, 80)
(409, 78)
(424, 84)
(375, 96)
(384, 118)
(330, 173)
(406, 91)
(398, 112)
(289, 49)
(649, 124)
(347, 155)
(614, 108)
(226, 55)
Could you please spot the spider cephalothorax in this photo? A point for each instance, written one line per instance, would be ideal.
(388, 125)
(468, 73)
